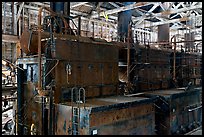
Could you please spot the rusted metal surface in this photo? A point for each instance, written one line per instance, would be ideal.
(31, 48)
(116, 115)
(190, 69)
(177, 111)
(63, 119)
(90, 65)
(32, 110)
(149, 71)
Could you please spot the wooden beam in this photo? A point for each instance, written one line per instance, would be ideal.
(10, 38)
(124, 8)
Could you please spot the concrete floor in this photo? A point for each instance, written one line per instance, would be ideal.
(197, 131)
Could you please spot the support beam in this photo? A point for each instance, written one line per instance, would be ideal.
(76, 4)
(31, 7)
(19, 11)
(168, 13)
(178, 10)
(15, 22)
(124, 8)
(115, 5)
(41, 3)
(86, 15)
(10, 38)
(167, 22)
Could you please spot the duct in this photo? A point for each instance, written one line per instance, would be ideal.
(57, 7)
(163, 33)
(124, 19)
(189, 46)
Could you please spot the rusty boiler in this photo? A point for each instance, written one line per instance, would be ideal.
(74, 85)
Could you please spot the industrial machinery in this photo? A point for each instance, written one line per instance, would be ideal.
(71, 85)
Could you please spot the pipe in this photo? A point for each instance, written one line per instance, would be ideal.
(51, 114)
(79, 26)
(20, 99)
(124, 19)
(39, 53)
(128, 55)
(174, 57)
(174, 67)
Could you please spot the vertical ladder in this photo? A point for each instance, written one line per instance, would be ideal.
(76, 108)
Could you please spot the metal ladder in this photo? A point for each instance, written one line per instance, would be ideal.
(76, 109)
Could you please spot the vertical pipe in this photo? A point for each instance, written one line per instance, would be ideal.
(79, 25)
(15, 22)
(67, 10)
(16, 121)
(43, 115)
(128, 55)
(20, 98)
(4, 29)
(93, 28)
(29, 20)
(13, 18)
(51, 114)
(101, 30)
(39, 52)
(174, 63)
(19, 27)
(23, 21)
(124, 19)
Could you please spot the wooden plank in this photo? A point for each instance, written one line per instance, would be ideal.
(10, 38)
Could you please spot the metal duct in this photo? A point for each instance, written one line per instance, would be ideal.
(189, 38)
(57, 7)
(163, 33)
(124, 19)
(189, 44)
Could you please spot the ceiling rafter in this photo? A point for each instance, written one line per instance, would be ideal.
(171, 21)
(124, 8)
(76, 4)
(19, 11)
(114, 4)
